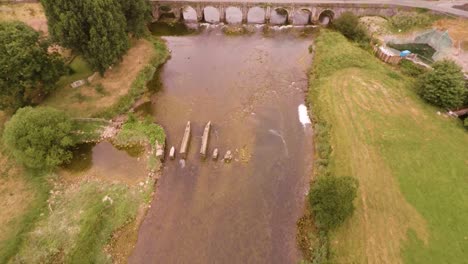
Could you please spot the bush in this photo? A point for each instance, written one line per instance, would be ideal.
(444, 86)
(412, 69)
(331, 199)
(39, 138)
(406, 21)
(348, 24)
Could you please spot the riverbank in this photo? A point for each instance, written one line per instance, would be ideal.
(79, 212)
(409, 161)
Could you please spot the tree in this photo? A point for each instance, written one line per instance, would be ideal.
(28, 71)
(137, 14)
(39, 138)
(348, 24)
(444, 86)
(94, 28)
(331, 199)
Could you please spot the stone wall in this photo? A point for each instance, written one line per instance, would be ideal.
(298, 14)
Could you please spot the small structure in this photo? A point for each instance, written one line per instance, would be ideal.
(387, 54)
(172, 153)
(185, 141)
(228, 156)
(205, 138)
(215, 154)
(78, 83)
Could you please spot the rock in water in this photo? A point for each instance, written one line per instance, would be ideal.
(160, 151)
(215, 154)
(172, 153)
(228, 156)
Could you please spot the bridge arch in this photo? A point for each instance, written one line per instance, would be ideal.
(166, 11)
(256, 15)
(189, 14)
(233, 15)
(279, 16)
(301, 16)
(211, 15)
(326, 17)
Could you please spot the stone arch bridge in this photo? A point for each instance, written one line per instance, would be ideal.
(262, 13)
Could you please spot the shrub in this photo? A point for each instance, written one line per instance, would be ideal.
(331, 199)
(39, 138)
(348, 24)
(444, 86)
(412, 69)
(407, 21)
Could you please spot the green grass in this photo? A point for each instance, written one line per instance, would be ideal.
(139, 132)
(411, 163)
(79, 69)
(139, 85)
(25, 223)
(81, 223)
(407, 21)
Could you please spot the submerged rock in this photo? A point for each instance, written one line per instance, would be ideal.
(228, 156)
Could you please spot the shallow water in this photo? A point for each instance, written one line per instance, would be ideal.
(250, 88)
(104, 160)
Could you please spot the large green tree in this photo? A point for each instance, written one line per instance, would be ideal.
(39, 137)
(94, 28)
(97, 29)
(137, 14)
(444, 86)
(331, 199)
(28, 71)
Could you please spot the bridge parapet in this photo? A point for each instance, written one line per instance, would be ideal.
(261, 13)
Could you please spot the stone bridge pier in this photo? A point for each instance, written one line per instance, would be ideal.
(262, 13)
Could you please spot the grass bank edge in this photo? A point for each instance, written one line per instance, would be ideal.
(139, 85)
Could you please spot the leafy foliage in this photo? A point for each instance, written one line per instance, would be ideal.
(412, 69)
(27, 71)
(94, 28)
(406, 21)
(444, 86)
(137, 14)
(331, 200)
(137, 132)
(348, 24)
(39, 138)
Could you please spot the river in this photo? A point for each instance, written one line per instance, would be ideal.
(250, 88)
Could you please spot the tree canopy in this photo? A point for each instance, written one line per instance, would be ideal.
(444, 86)
(331, 199)
(97, 29)
(28, 71)
(39, 138)
(348, 24)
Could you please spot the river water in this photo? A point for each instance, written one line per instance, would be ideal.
(250, 88)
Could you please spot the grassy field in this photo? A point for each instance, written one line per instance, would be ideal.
(73, 217)
(411, 163)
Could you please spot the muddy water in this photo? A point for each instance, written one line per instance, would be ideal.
(250, 88)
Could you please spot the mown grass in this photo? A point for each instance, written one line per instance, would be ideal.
(411, 163)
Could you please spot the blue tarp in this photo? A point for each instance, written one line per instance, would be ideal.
(405, 53)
